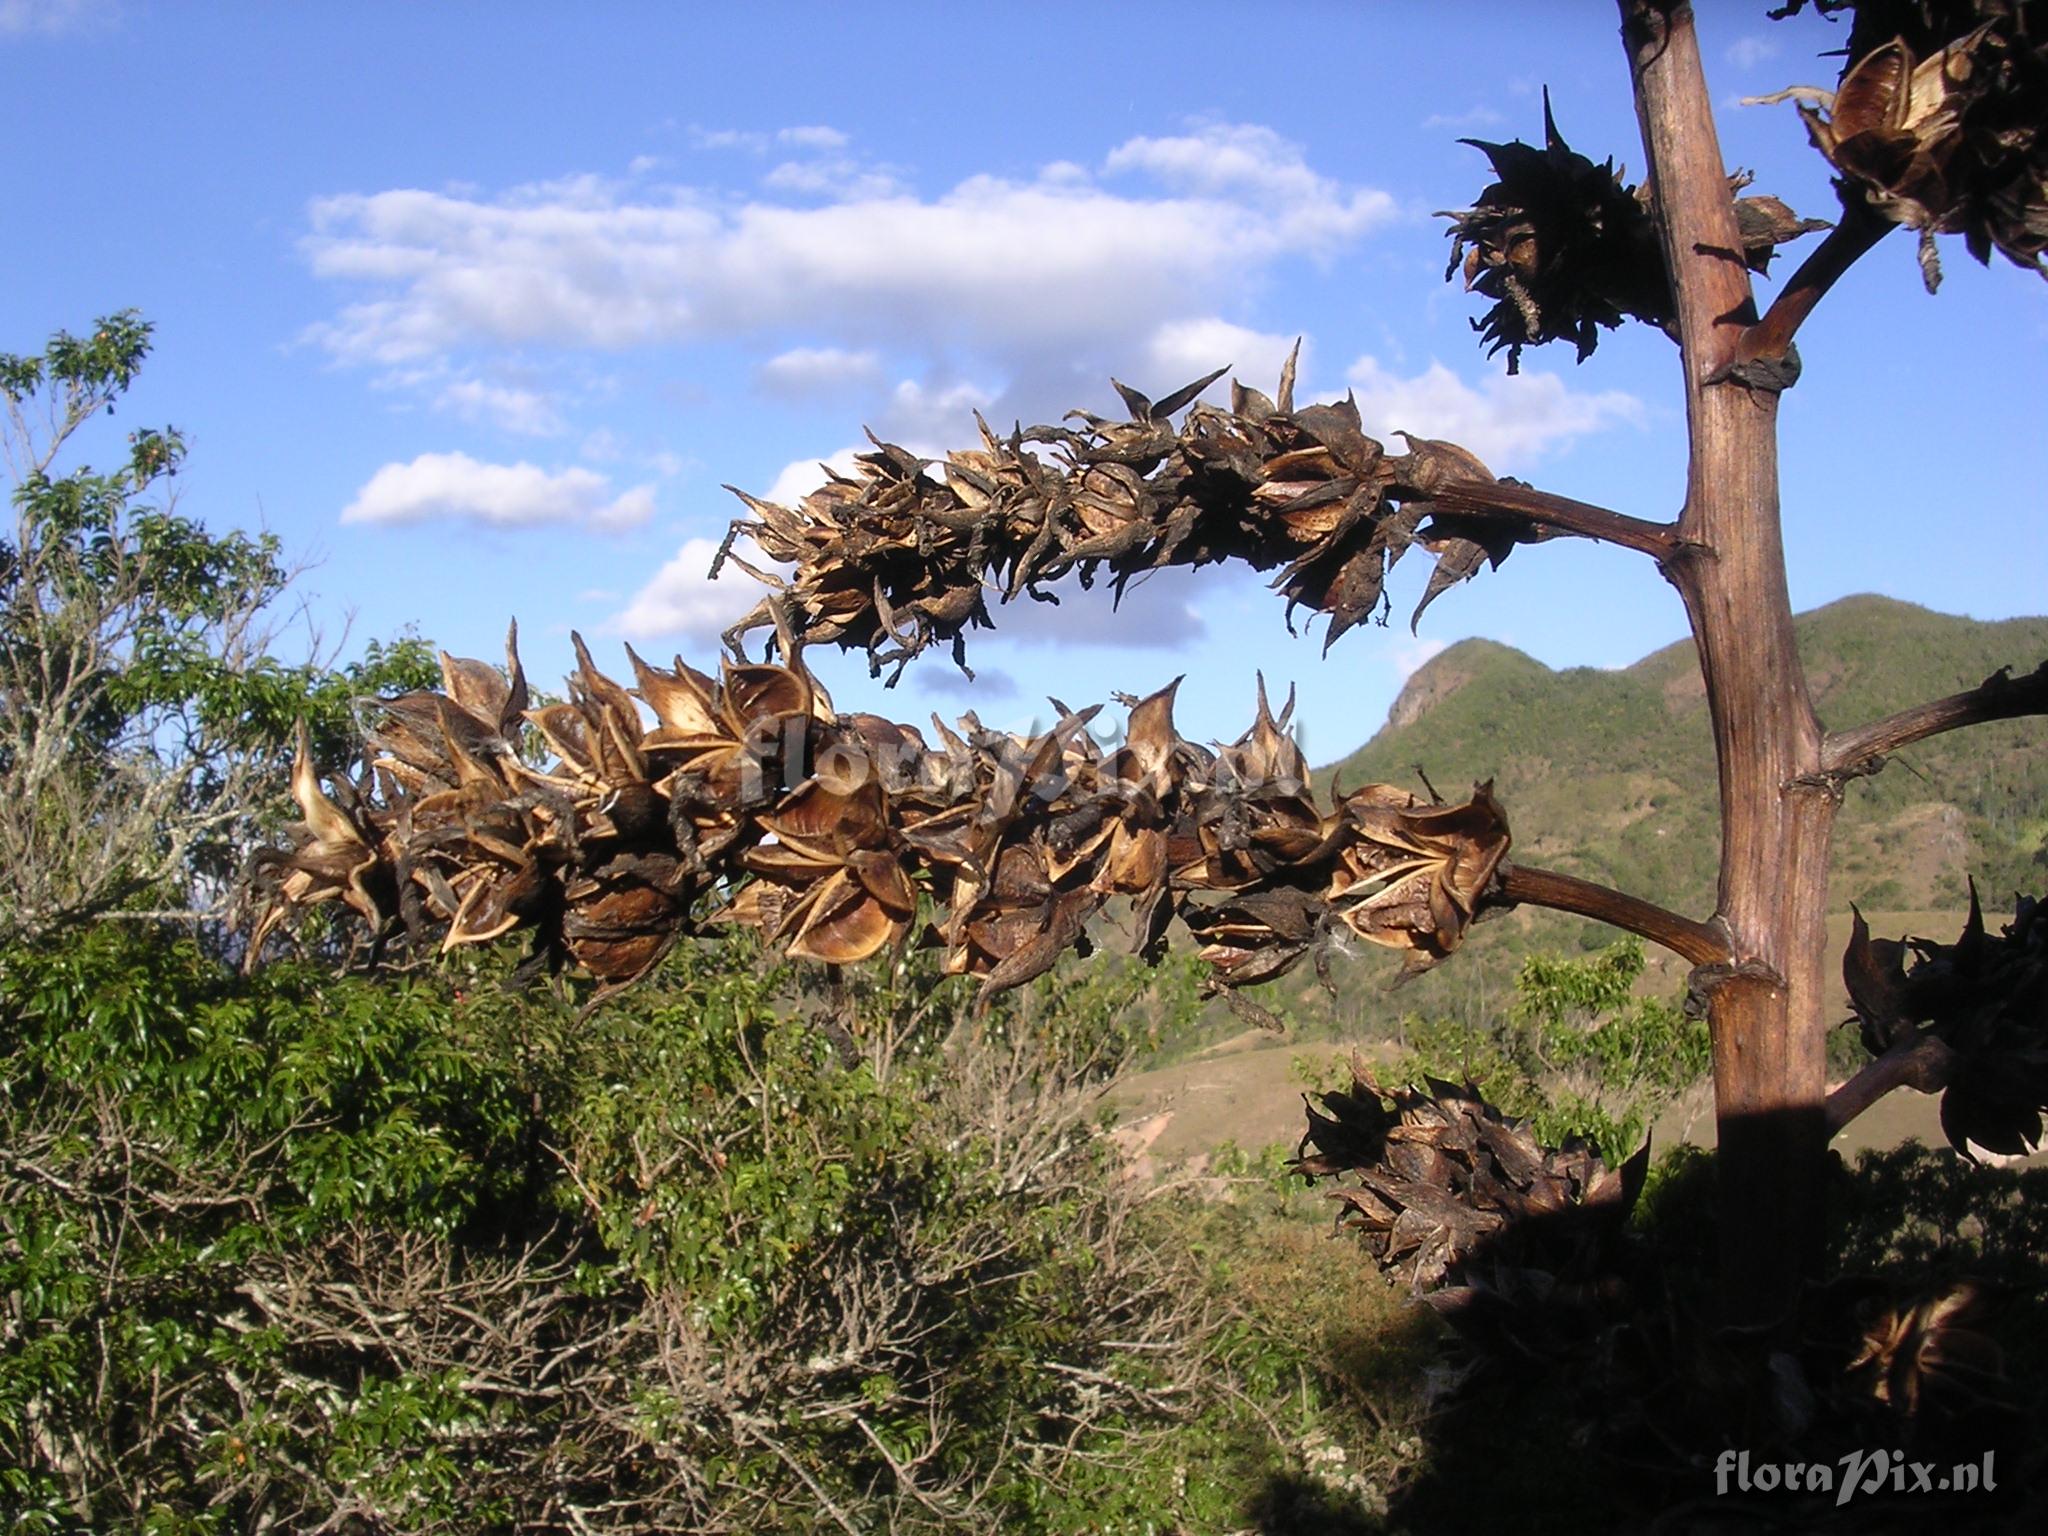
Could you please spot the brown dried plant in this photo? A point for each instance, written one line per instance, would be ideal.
(1564, 247)
(1446, 1184)
(749, 800)
(1940, 122)
(900, 554)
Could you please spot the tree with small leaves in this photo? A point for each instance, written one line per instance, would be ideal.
(144, 714)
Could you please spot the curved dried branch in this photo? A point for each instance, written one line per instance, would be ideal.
(1926, 1064)
(1698, 943)
(900, 554)
(1509, 501)
(1771, 337)
(2001, 696)
(752, 801)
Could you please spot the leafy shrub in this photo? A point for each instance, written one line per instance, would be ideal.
(430, 1255)
(1580, 1052)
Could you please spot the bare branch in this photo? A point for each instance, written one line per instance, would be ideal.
(1925, 1062)
(1486, 498)
(2000, 696)
(1699, 943)
(1770, 338)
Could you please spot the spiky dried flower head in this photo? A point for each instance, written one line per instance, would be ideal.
(1939, 121)
(1564, 248)
(647, 815)
(1448, 1186)
(1985, 997)
(903, 553)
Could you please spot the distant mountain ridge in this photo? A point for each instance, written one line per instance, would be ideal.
(1610, 774)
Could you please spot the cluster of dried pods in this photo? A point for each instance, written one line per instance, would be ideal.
(747, 799)
(900, 554)
(1525, 1251)
(1940, 121)
(1985, 999)
(1563, 247)
(1444, 1180)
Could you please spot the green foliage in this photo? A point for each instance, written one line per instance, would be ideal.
(726, 1253)
(145, 719)
(1580, 1052)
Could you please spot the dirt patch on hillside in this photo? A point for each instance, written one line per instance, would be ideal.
(1244, 1091)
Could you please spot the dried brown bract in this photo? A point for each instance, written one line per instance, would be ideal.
(750, 801)
(1940, 122)
(1448, 1188)
(1984, 997)
(899, 555)
(1932, 1355)
(1564, 248)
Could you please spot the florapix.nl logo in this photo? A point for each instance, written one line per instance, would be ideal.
(1857, 1474)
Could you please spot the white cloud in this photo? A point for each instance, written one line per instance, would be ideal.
(1507, 420)
(942, 677)
(818, 370)
(1464, 122)
(815, 136)
(682, 601)
(1410, 656)
(803, 476)
(1748, 52)
(840, 176)
(456, 487)
(524, 411)
(931, 418)
(1181, 351)
(1162, 611)
(1245, 163)
(1049, 266)
(50, 17)
(727, 138)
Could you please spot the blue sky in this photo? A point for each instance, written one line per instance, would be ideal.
(477, 306)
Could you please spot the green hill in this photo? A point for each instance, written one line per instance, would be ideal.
(1610, 775)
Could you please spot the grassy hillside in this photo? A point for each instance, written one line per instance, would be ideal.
(1610, 775)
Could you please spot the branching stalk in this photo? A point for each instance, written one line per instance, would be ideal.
(1770, 337)
(1696, 942)
(1998, 697)
(1482, 498)
(1926, 1063)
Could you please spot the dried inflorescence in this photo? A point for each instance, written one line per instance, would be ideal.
(899, 555)
(749, 800)
(1449, 1188)
(1940, 121)
(1931, 1352)
(1564, 248)
(1985, 998)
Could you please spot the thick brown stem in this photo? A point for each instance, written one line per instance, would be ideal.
(1699, 943)
(1767, 1009)
(1926, 1064)
(1521, 503)
(1998, 697)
